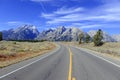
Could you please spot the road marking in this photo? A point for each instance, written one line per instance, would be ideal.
(25, 66)
(70, 66)
(73, 78)
(103, 59)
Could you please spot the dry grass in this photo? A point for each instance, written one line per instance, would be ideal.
(13, 52)
(111, 49)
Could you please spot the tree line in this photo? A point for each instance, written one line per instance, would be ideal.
(0, 36)
(97, 38)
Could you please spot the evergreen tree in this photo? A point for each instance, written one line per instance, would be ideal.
(81, 36)
(0, 36)
(87, 39)
(97, 39)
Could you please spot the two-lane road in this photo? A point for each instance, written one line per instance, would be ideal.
(66, 63)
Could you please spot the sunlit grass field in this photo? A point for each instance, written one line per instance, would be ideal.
(12, 52)
(108, 48)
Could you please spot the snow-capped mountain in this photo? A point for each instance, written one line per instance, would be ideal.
(60, 34)
(116, 37)
(106, 36)
(7, 33)
(30, 32)
(25, 32)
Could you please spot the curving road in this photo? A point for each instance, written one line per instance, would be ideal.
(64, 63)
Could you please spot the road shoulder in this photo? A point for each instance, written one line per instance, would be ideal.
(101, 56)
(25, 63)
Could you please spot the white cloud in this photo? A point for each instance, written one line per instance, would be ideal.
(15, 23)
(90, 26)
(77, 24)
(106, 14)
(86, 25)
(103, 14)
(63, 15)
(62, 11)
(41, 0)
(65, 10)
(48, 16)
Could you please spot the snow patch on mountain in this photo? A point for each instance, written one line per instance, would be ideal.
(116, 37)
(25, 32)
(60, 34)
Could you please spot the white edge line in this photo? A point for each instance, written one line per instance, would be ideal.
(103, 59)
(27, 65)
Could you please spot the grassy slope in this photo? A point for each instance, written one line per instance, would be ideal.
(12, 52)
(111, 49)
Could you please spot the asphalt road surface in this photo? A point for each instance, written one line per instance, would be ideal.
(64, 63)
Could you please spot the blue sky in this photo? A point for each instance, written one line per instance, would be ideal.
(45, 14)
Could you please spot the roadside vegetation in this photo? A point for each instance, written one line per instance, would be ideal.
(111, 49)
(0, 36)
(97, 38)
(29, 40)
(87, 39)
(14, 51)
(81, 37)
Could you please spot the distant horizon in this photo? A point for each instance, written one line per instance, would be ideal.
(44, 14)
(61, 26)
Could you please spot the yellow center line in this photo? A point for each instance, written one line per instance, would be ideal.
(73, 78)
(70, 67)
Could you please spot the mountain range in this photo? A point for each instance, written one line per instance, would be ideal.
(60, 34)
(30, 32)
(25, 32)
